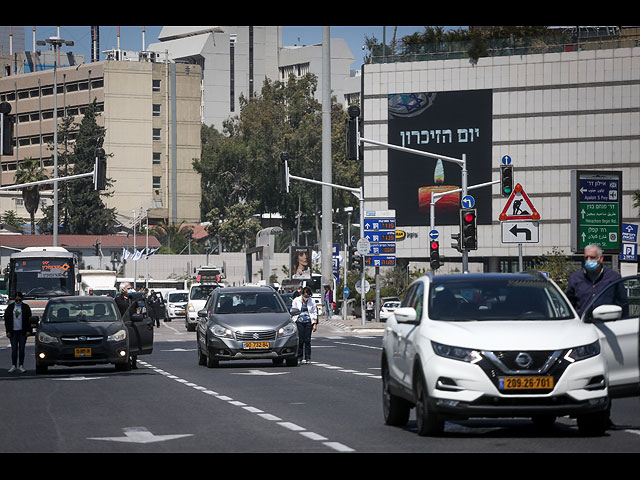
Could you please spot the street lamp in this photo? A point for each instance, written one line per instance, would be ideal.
(56, 43)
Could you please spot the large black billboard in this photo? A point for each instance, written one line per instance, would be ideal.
(448, 123)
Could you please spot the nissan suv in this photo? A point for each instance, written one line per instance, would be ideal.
(508, 345)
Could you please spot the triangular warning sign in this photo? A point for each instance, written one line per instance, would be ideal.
(518, 211)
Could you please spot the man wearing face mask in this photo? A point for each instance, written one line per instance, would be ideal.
(587, 282)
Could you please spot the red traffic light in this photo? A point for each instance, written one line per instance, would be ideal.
(469, 217)
(434, 245)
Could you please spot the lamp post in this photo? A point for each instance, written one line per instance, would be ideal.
(56, 43)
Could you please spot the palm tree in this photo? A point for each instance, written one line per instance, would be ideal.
(30, 170)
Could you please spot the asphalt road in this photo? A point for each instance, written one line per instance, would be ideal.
(170, 404)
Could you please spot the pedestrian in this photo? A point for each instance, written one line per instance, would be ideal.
(328, 301)
(586, 283)
(17, 322)
(307, 322)
(124, 299)
(90, 291)
(297, 293)
(154, 309)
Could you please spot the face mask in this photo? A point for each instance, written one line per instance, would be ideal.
(129, 292)
(591, 265)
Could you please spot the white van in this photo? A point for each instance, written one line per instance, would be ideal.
(198, 294)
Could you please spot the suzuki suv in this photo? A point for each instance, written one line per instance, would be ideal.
(507, 345)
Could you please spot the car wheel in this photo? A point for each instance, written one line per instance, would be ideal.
(277, 361)
(202, 358)
(396, 410)
(427, 421)
(123, 366)
(41, 369)
(292, 362)
(593, 424)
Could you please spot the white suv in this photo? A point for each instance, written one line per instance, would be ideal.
(508, 345)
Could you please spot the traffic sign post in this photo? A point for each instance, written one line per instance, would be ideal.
(596, 200)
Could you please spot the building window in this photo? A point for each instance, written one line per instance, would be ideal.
(157, 182)
(157, 158)
(156, 85)
(156, 134)
(156, 110)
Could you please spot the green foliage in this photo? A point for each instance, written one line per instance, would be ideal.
(240, 165)
(10, 217)
(559, 266)
(30, 170)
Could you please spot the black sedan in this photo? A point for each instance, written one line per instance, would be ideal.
(90, 330)
(240, 323)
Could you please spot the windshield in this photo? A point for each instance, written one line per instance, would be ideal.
(43, 277)
(87, 311)
(177, 297)
(496, 299)
(250, 302)
(201, 292)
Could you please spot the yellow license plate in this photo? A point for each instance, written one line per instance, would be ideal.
(83, 352)
(255, 345)
(526, 383)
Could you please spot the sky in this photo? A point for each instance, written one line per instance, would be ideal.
(131, 37)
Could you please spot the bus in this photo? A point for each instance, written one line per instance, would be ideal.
(41, 273)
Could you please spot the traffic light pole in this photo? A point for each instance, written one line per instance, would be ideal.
(432, 214)
(359, 195)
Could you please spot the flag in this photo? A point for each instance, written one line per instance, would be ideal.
(137, 255)
(152, 251)
(125, 253)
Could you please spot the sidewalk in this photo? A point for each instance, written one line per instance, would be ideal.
(352, 324)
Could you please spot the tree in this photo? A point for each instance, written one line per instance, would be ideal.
(29, 171)
(237, 230)
(10, 217)
(558, 265)
(636, 200)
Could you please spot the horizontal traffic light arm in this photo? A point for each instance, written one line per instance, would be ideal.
(417, 152)
(49, 180)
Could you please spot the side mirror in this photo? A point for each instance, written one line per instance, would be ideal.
(605, 313)
(202, 313)
(406, 315)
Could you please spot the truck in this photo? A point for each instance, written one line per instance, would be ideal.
(103, 282)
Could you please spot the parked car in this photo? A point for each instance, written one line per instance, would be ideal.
(243, 323)
(387, 309)
(508, 345)
(89, 330)
(176, 304)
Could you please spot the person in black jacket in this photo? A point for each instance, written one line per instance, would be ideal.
(17, 322)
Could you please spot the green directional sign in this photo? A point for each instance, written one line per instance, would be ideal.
(596, 199)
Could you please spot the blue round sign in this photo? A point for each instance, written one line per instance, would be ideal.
(506, 160)
(468, 201)
(346, 291)
(433, 234)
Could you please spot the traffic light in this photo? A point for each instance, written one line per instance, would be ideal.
(358, 261)
(100, 170)
(434, 254)
(468, 229)
(456, 244)
(284, 172)
(6, 125)
(353, 147)
(506, 180)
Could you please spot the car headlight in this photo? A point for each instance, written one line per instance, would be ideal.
(191, 309)
(456, 353)
(118, 336)
(287, 330)
(44, 338)
(583, 352)
(220, 331)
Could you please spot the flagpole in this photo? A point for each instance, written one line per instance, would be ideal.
(147, 251)
(135, 250)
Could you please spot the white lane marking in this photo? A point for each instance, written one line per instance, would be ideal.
(337, 446)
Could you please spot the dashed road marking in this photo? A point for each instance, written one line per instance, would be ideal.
(337, 446)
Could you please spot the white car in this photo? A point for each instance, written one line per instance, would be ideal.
(198, 295)
(387, 309)
(508, 345)
(176, 301)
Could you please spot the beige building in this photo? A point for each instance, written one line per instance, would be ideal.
(151, 112)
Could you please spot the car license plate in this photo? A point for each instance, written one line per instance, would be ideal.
(255, 345)
(83, 352)
(526, 383)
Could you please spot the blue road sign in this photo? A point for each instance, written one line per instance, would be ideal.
(468, 201)
(381, 236)
(346, 291)
(380, 261)
(629, 233)
(383, 248)
(629, 252)
(506, 160)
(379, 223)
(433, 234)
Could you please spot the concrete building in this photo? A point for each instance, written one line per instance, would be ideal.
(151, 112)
(236, 60)
(553, 112)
